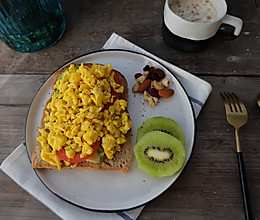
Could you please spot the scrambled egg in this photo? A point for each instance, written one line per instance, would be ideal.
(77, 116)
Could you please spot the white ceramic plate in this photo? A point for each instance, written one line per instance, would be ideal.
(113, 190)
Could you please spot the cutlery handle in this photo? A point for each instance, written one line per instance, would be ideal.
(244, 187)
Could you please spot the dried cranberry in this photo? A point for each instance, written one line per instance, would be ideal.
(151, 70)
(154, 76)
(153, 92)
(137, 75)
(160, 73)
(146, 68)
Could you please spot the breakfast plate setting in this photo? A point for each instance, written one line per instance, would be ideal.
(111, 191)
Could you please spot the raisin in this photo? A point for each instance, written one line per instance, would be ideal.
(151, 69)
(137, 75)
(160, 73)
(154, 76)
(146, 68)
(153, 92)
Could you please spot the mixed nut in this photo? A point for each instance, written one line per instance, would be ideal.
(153, 84)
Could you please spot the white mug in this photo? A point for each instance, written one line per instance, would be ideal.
(195, 31)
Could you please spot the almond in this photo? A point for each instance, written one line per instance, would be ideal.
(145, 85)
(166, 93)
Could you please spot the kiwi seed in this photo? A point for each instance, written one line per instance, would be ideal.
(159, 154)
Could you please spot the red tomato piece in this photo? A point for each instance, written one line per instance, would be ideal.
(116, 78)
(114, 93)
(76, 159)
(89, 65)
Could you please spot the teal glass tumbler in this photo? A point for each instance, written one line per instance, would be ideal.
(31, 25)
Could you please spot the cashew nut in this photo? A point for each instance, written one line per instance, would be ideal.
(157, 86)
(152, 101)
(141, 79)
(147, 96)
(146, 73)
(135, 88)
(165, 82)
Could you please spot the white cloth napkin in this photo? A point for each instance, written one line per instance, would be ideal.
(17, 164)
(198, 90)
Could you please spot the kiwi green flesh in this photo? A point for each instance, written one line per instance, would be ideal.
(163, 124)
(159, 154)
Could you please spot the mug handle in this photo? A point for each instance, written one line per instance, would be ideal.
(226, 33)
(236, 22)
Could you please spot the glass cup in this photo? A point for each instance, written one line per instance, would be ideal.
(31, 25)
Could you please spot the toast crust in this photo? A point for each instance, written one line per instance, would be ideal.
(121, 161)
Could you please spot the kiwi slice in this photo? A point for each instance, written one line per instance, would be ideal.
(159, 154)
(163, 124)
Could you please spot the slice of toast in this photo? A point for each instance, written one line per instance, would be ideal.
(121, 161)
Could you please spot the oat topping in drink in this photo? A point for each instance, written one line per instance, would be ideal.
(200, 11)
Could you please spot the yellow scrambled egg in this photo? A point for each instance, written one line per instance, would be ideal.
(76, 117)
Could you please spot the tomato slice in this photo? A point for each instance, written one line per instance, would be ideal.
(116, 78)
(89, 65)
(118, 81)
(76, 159)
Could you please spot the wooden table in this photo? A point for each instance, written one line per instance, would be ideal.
(210, 187)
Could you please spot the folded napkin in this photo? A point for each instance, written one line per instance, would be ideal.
(198, 90)
(17, 164)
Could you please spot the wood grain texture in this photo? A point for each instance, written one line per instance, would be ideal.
(208, 189)
(90, 23)
(210, 184)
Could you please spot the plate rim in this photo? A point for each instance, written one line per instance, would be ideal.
(145, 202)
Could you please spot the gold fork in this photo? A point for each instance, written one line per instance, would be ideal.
(237, 116)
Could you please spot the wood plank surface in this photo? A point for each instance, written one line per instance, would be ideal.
(90, 23)
(208, 189)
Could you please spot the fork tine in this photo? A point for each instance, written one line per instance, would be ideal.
(241, 104)
(226, 102)
(236, 105)
(229, 102)
(222, 95)
(237, 116)
(235, 102)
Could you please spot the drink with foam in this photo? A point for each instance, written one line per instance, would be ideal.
(189, 25)
(201, 11)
